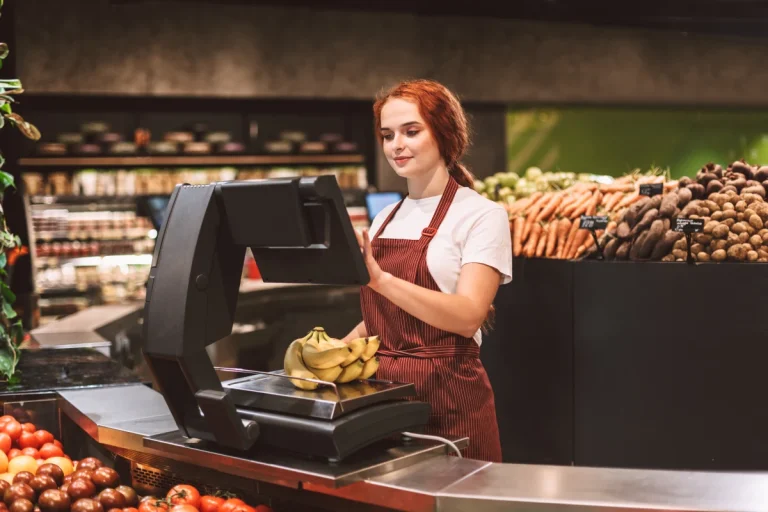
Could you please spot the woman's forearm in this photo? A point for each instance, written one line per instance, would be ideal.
(449, 312)
(358, 331)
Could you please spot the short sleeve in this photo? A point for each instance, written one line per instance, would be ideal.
(489, 242)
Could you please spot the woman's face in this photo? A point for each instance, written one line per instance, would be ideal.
(408, 143)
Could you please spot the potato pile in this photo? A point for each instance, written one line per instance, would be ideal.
(645, 230)
(732, 204)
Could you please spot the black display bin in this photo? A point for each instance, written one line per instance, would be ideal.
(667, 365)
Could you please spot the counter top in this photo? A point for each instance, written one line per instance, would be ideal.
(45, 370)
(432, 481)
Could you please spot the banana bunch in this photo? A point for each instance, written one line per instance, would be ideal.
(320, 357)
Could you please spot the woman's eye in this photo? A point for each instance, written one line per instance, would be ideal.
(388, 136)
(412, 133)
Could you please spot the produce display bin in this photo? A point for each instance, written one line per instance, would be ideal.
(627, 364)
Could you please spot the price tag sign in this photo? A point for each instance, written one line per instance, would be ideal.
(651, 189)
(689, 225)
(593, 222)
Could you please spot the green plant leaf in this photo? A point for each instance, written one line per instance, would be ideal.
(7, 366)
(6, 107)
(6, 180)
(11, 83)
(8, 310)
(17, 240)
(8, 294)
(17, 334)
(3, 260)
(4, 51)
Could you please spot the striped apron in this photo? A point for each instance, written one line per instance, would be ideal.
(444, 367)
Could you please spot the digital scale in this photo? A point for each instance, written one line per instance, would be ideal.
(299, 232)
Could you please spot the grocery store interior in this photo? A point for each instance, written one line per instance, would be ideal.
(627, 143)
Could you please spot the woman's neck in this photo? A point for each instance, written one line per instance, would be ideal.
(430, 184)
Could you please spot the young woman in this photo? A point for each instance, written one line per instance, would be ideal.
(435, 261)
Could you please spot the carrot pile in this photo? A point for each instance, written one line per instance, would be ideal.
(546, 224)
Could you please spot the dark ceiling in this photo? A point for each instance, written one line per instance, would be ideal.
(747, 18)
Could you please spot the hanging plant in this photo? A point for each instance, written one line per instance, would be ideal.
(11, 330)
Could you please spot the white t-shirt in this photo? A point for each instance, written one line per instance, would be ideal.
(475, 230)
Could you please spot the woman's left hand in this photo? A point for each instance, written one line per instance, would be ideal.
(374, 271)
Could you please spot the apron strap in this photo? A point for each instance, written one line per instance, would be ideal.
(388, 219)
(442, 209)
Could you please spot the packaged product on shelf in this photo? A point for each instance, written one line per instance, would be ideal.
(33, 183)
(58, 184)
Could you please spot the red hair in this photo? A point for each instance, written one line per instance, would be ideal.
(444, 115)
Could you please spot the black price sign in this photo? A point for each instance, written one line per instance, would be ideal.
(689, 225)
(593, 222)
(651, 189)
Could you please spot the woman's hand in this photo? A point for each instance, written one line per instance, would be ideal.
(377, 275)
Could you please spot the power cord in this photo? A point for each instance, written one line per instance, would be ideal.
(435, 438)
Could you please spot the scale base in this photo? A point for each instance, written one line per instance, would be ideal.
(336, 439)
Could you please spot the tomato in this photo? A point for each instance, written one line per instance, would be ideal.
(130, 509)
(5, 442)
(58, 443)
(13, 452)
(13, 429)
(32, 452)
(235, 505)
(43, 436)
(28, 427)
(49, 450)
(183, 494)
(210, 503)
(153, 505)
(263, 508)
(183, 508)
(27, 440)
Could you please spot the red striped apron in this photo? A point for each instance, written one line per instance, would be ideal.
(444, 367)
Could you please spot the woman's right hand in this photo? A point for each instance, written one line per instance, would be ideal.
(377, 276)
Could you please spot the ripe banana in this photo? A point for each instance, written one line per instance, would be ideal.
(294, 367)
(370, 348)
(328, 375)
(356, 346)
(325, 357)
(313, 338)
(369, 368)
(351, 372)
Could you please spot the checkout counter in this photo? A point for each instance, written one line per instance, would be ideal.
(189, 428)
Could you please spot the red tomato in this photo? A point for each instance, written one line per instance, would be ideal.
(49, 450)
(235, 505)
(32, 452)
(183, 508)
(58, 443)
(13, 429)
(5, 442)
(13, 452)
(130, 509)
(153, 505)
(27, 440)
(28, 427)
(43, 436)
(210, 503)
(184, 495)
(5, 419)
(263, 508)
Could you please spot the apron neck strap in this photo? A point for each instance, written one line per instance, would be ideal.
(442, 209)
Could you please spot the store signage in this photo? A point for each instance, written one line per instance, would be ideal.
(593, 222)
(651, 189)
(689, 225)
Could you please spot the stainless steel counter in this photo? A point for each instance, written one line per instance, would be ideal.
(420, 477)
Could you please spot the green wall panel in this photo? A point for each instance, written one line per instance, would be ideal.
(614, 141)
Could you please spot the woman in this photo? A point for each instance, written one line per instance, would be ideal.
(435, 262)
